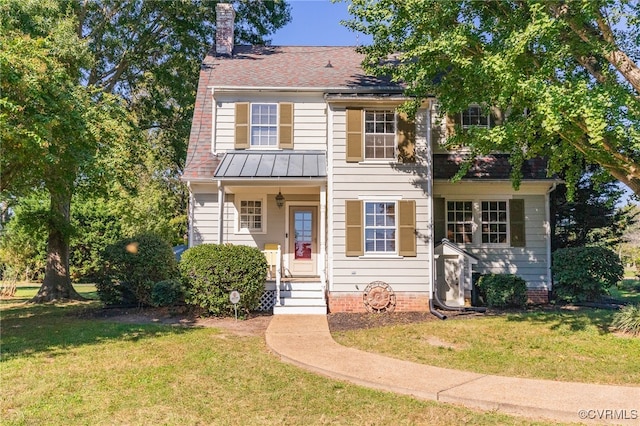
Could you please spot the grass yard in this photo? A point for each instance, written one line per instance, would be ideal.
(59, 368)
(559, 344)
(629, 291)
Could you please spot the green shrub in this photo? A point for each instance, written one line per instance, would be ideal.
(210, 272)
(132, 266)
(503, 290)
(585, 273)
(167, 293)
(627, 319)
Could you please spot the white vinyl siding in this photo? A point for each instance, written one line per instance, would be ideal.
(376, 182)
(309, 126)
(529, 262)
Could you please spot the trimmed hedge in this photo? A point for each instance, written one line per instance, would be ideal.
(167, 293)
(210, 272)
(132, 266)
(585, 273)
(503, 290)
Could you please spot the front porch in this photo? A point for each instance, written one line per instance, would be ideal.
(290, 295)
(277, 201)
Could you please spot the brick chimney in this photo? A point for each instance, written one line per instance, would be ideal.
(225, 17)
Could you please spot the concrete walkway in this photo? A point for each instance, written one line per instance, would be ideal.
(305, 340)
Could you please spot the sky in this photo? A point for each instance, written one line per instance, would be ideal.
(317, 23)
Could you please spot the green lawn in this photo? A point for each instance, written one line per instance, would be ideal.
(559, 344)
(629, 291)
(58, 367)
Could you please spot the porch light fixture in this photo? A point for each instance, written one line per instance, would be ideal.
(279, 200)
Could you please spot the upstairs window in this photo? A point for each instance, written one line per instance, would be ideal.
(379, 135)
(474, 116)
(264, 125)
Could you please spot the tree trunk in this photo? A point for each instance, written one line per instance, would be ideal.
(57, 283)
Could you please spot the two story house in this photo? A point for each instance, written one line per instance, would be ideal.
(296, 151)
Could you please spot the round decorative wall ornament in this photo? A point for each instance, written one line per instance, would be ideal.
(379, 297)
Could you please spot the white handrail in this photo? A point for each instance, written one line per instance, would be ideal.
(278, 274)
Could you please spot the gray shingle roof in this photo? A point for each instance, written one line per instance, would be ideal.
(272, 164)
(292, 66)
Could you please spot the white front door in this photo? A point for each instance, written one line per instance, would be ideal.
(303, 240)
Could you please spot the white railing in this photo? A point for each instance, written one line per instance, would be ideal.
(273, 254)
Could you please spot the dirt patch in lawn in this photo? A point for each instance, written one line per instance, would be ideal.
(255, 324)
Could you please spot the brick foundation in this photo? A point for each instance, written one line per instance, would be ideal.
(538, 296)
(352, 302)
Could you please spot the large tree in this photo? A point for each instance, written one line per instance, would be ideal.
(146, 53)
(53, 129)
(562, 76)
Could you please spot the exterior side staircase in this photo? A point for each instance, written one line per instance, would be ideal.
(301, 296)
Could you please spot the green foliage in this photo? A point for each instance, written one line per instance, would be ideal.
(627, 319)
(584, 273)
(167, 293)
(23, 250)
(82, 96)
(95, 226)
(503, 290)
(210, 272)
(131, 268)
(591, 217)
(559, 77)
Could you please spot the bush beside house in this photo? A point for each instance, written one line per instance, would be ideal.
(585, 273)
(132, 267)
(503, 290)
(210, 272)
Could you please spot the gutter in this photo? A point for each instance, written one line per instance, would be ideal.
(378, 89)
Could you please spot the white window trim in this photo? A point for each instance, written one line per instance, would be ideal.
(393, 159)
(238, 202)
(476, 209)
(377, 254)
(475, 126)
(277, 126)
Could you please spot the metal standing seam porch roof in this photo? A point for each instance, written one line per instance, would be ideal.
(272, 164)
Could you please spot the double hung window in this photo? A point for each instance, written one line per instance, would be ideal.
(379, 135)
(380, 227)
(474, 116)
(494, 222)
(264, 125)
(479, 222)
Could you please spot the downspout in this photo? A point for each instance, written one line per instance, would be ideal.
(214, 124)
(220, 211)
(190, 209)
(430, 248)
(547, 206)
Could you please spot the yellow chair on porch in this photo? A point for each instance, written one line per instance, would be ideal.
(272, 254)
